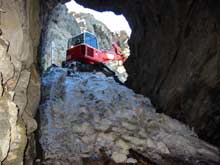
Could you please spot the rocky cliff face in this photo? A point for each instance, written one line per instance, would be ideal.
(175, 57)
(19, 80)
(60, 26)
(83, 114)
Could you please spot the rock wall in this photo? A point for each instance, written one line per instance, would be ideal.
(175, 57)
(19, 79)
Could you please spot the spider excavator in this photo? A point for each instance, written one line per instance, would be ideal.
(83, 54)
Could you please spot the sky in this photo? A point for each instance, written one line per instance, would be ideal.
(112, 21)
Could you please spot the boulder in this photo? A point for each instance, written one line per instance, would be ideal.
(86, 114)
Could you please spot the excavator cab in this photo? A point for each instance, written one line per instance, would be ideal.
(83, 38)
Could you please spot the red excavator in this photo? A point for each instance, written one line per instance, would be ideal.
(84, 48)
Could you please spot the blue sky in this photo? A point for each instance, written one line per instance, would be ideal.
(112, 21)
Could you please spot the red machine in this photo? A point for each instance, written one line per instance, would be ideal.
(84, 48)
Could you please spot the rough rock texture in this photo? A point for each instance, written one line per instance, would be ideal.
(175, 57)
(83, 113)
(19, 80)
(59, 27)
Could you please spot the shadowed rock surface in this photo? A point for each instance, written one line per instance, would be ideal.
(82, 113)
